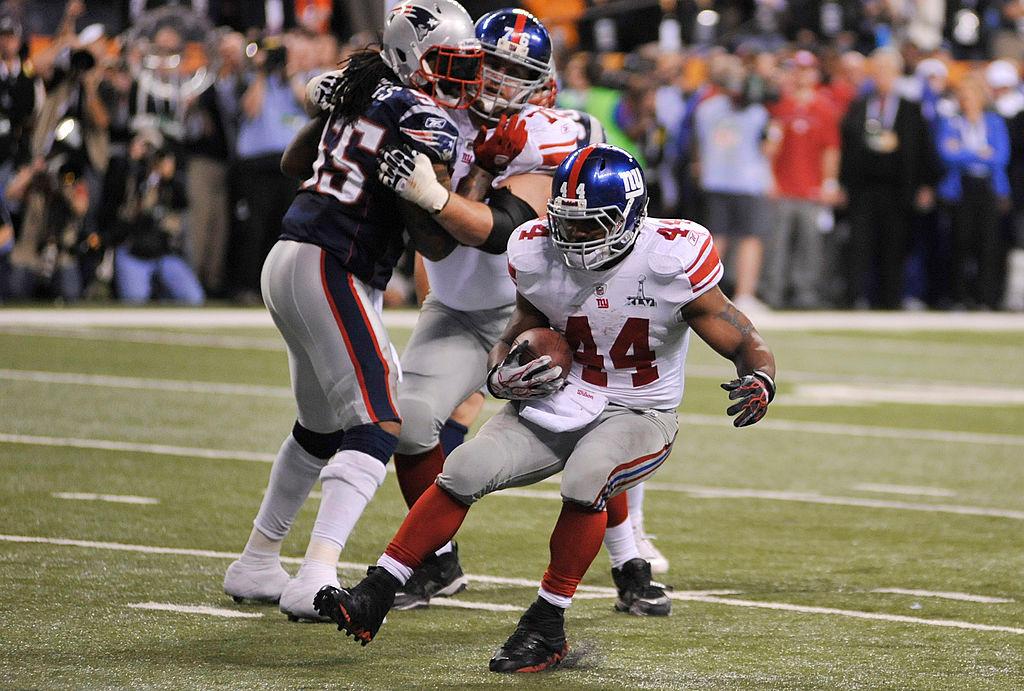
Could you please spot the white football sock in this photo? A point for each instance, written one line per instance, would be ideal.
(395, 568)
(620, 543)
(635, 499)
(349, 482)
(261, 549)
(445, 549)
(555, 599)
(292, 476)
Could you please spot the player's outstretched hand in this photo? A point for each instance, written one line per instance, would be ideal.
(320, 92)
(515, 382)
(494, 153)
(752, 394)
(411, 175)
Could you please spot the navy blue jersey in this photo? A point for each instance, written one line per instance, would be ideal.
(343, 207)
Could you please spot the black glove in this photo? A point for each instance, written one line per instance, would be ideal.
(752, 393)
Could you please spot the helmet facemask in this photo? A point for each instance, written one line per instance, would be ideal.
(509, 82)
(452, 74)
(567, 215)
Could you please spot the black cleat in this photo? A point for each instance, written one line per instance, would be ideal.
(637, 594)
(537, 643)
(359, 611)
(437, 576)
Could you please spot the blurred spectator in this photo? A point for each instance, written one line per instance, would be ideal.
(887, 167)
(806, 168)
(17, 100)
(54, 199)
(271, 115)
(269, 16)
(210, 132)
(975, 150)
(1008, 100)
(148, 259)
(847, 80)
(734, 172)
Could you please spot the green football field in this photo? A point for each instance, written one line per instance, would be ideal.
(869, 533)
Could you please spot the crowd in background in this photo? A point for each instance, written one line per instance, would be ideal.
(844, 153)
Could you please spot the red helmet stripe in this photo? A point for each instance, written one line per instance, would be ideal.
(574, 174)
(517, 30)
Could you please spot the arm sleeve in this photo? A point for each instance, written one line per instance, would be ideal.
(509, 212)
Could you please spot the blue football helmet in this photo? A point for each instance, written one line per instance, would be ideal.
(598, 203)
(517, 57)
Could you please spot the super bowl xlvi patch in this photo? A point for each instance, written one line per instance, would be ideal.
(640, 299)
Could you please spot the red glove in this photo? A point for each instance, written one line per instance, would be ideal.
(494, 153)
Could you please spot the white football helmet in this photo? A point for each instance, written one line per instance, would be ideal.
(431, 46)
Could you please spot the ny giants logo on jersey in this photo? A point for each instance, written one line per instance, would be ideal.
(423, 22)
(640, 299)
(632, 183)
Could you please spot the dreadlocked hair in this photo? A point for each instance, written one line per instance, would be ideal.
(363, 72)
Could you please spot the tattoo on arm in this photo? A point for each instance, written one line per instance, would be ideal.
(734, 318)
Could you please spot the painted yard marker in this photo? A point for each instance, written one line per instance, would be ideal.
(196, 609)
(904, 489)
(684, 596)
(945, 595)
(113, 498)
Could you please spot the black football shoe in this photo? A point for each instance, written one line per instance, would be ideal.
(637, 594)
(437, 576)
(359, 611)
(537, 643)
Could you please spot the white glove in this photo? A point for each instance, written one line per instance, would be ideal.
(412, 176)
(515, 382)
(320, 92)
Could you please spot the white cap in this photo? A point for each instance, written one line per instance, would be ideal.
(1002, 74)
(90, 34)
(931, 67)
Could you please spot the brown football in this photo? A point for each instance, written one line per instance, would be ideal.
(545, 341)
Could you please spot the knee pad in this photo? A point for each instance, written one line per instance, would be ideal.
(371, 440)
(468, 476)
(318, 444)
(420, 428)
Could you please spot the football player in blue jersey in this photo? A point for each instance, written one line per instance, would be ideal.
(323, 282)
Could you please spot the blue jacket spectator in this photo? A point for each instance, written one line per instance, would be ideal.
(980, 149)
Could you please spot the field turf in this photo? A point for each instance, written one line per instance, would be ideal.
(891, 461)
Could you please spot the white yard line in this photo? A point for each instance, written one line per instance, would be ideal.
(696, 491)
(904, 489)
(877, 616)
(907, 394)
(699, 492)
(945, 595)
(213, 317)
(153, 337)
(465, 604)
(840, 429)
(146, 384)
(196, 609)
(131, 447)
(682, 595)
(112, 498)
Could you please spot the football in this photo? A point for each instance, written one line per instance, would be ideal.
(545, 341)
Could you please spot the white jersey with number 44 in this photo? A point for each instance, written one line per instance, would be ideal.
(623, 323)
(469, 279)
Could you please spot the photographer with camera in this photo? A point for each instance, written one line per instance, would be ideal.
(150, 229)
(271, 115)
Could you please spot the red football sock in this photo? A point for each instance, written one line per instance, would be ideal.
(417, 472)
(431, 522)
(575, 542)
(618, 509)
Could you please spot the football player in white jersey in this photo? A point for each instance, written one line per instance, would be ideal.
(471, 295)
(627, 292)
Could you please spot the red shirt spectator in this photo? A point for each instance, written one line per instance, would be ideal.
(810, 128)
